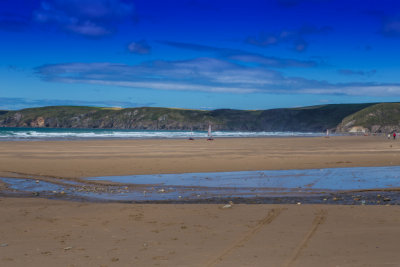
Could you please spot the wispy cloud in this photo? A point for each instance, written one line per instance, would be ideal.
(198, 47)
(295, 37)
(357, 72)
(10, 103)
(357, 89)
(90, 18)
(244, 56)
(273, 62)
(204, 74)
(140, 47)
(200, 74)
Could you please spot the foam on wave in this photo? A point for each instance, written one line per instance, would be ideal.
(44, 134)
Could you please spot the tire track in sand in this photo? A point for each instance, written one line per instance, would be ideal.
(319, 219)
(272, 214)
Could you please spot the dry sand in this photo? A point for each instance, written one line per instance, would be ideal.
(41, 232)
(127, 157)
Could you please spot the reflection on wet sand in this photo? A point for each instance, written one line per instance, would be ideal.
(284, 186)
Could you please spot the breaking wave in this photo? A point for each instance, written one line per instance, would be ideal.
(7, 134)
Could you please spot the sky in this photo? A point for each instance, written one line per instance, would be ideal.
(198, 54)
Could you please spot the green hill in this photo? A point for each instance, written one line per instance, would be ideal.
(378, 118)
(313, 118)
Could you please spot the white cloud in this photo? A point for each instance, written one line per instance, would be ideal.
(140, 47)
(204, 74)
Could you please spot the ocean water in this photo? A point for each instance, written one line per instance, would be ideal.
(15, 134)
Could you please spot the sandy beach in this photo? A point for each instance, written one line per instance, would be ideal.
(43, 232)
(39, 232)
(72, 159)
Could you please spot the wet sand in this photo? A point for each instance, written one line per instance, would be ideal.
(39, 232)
(43, 232)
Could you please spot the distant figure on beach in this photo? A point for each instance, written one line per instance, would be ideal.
(389, 136)
(394, 135)
(210, 137)
(191, 135)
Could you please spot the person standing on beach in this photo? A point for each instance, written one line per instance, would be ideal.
(394, 135)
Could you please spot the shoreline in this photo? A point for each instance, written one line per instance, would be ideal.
(202, 138)
(75, 134)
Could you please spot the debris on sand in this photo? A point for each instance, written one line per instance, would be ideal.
(228, 206)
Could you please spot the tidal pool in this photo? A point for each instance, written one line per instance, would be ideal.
(356, 178)
(310, 183)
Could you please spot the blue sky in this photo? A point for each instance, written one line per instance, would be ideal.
(198, 54)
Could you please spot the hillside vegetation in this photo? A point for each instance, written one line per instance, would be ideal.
(314, 118)
(378, 118)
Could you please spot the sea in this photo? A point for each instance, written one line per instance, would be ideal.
(36, 134)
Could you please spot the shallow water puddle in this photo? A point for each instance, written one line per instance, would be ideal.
(141, 193)
(32, 185)
(200, 186)
(314, 179)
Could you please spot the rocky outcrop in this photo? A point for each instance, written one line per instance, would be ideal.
(38, 122)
